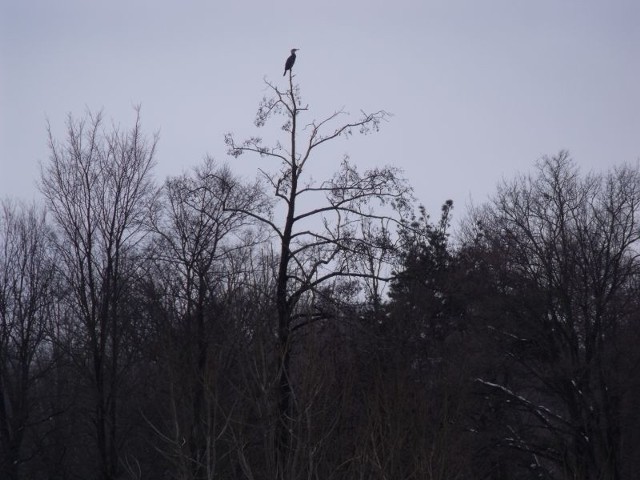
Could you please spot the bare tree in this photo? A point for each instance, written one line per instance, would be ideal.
(318, 236)
(200, 255)
(98, 187)
(27, 272)
(565, 265)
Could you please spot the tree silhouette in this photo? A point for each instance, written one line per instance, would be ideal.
(99, 190)
(319, 236)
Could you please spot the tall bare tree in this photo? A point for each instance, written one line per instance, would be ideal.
(318, 234)
(99, 189)
(564, 261)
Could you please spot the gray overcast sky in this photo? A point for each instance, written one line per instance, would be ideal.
(479, 89)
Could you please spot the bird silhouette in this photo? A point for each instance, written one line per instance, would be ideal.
(290, 61)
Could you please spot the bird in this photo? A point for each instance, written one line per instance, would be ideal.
(290, 61)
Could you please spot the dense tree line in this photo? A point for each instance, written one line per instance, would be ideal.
(290, 328)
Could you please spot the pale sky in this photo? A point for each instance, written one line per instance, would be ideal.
(479, 89)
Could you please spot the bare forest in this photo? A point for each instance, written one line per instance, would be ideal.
(297, 327)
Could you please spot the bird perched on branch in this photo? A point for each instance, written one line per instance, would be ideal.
(290, 61)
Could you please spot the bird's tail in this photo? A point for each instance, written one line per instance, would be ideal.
(285, 72)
